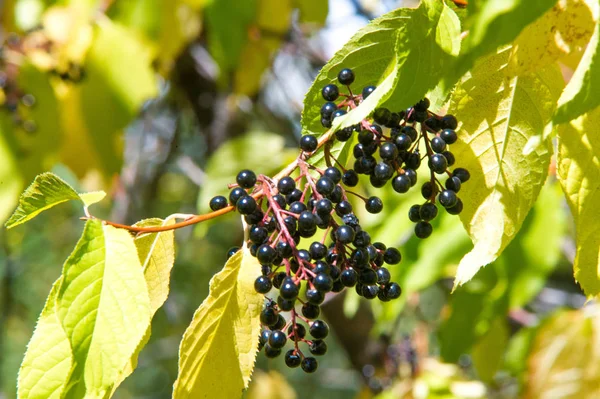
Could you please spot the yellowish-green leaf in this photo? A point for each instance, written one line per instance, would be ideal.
(489, 351)
(312, 11)
(48, 360)
(103, 306)
(11, 180)
(579, 174)
(270, 385)
(581, 94)
(563, 30)
(499, 113)
(218, 350)
(156, 252)
(563, 360)
(46, 191)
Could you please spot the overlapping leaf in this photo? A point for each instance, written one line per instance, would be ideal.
(222, 341)
(499, 113)
(579, 173)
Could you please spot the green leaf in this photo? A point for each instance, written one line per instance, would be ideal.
(46, 191)
(103, 306)
(119, 79)
(489, 351)
(563, 359)
(312, 11)
(217, 353)
(491, 24)
(10, 177)
(581, 94)
(48, 360)
(579, 173)
(156, 252)
(499, 113)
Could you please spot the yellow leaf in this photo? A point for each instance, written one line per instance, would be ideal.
(218, 350)
(271, 385)
(499, 112)
(563, 30)
(579, 174)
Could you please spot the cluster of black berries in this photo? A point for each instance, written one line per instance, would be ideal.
(389, 150)
(287, 211)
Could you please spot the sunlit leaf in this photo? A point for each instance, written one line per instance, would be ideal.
(498, 114)
(312, 11)
(11, 180)
(46, 191)
(579, 174)
(222, 341)
(489, 351)
(48, 360)
(271, 385)
(103, 306)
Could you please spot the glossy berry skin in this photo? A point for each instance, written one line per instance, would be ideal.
(271, 353)
(447, 198)
(286, 185)
(285, 305)
(292, 359)
(366, 92)
(383, 275)
(232, 251)
(350, 178)
(330, 92)
(268, 317)
(309, 364)
(428, 211)
(462, 174)
(449, 157)
(323, 282)
(346, 76)
(456, 209)
(433, 123)
(392, 256)
(401, 184)
(325, 186)
(319, 329)
(374, 205)
(449, 136)
(344, 234)
(369, 291)
(246, 205)
(383, 171)
(277, 339)
(288, 290)
(317, 250)
(298, 332)
(349, 277)
(258, 234)
(284, 249)
(339, 112)
(262, 285)
(328, 109)
(454, 184)
(218, 202)
(393, 291)
(246, 178)
(449, 122)
(324, 206)
(438, 163)
(367, 276)
(310, 311)
(382, 116)
(403, 142)
(333, 174)
(414, 213)
(315, 297)
(236, 194)
(265, 254)
(438, 145)
(423, 229)
(388, 151)
(318, 347)
(279, 324)
(344, 134)
(308, 143)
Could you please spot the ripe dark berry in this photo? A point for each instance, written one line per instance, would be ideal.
(462, 174)
(414, 213)
(258, 234)
(323, 282)
(359, 257)
(413, 160)
(246, 178)
(423, 229)
(346, 76)
(279, 324)
(438, 144)
(453, 183)
(285, 305)
(218, 202)
(315, 297)
(307, 221)
(422, 105)
(366, 92)
(297, 207)
(262, 285)
(410, 132)
(319, 329)
(344, 134)
(350, 178)
(388, 151)
(366, 137)
(325, 186)
(284, 249)
(374, 205)
(449, 122)
(427, 190)
(403, 142)
(349, 277)
(286, 185)
(297, 331)
(288, 290)
(277, 339)
(337, 194)
(323, 206)
(268, 316)
(330, 92)
(383, 171)
(271, 352)
(449, 136)
(328, 109)
(292, 358)
(401, 184)
(336, 113)
(280, 199)
(232, 251)
(382, 116)
(303, 255)
(457, 208)
(394, 121)
(308, 143)
(310, 311)
(428, 211)
(326, 122)
(367, 276)
(392, 256)
(317, 250)
(449, 157)
(433, 123)
(412, 175)
(438, 163)
(393, 291)
(318, 347)
(309, 364)
(383, 275)
(334, 174)
(236, 194)
(369, 291)
(246, 205)
(448, 198)
(265, 254)
(344, 234)
(263, 338)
